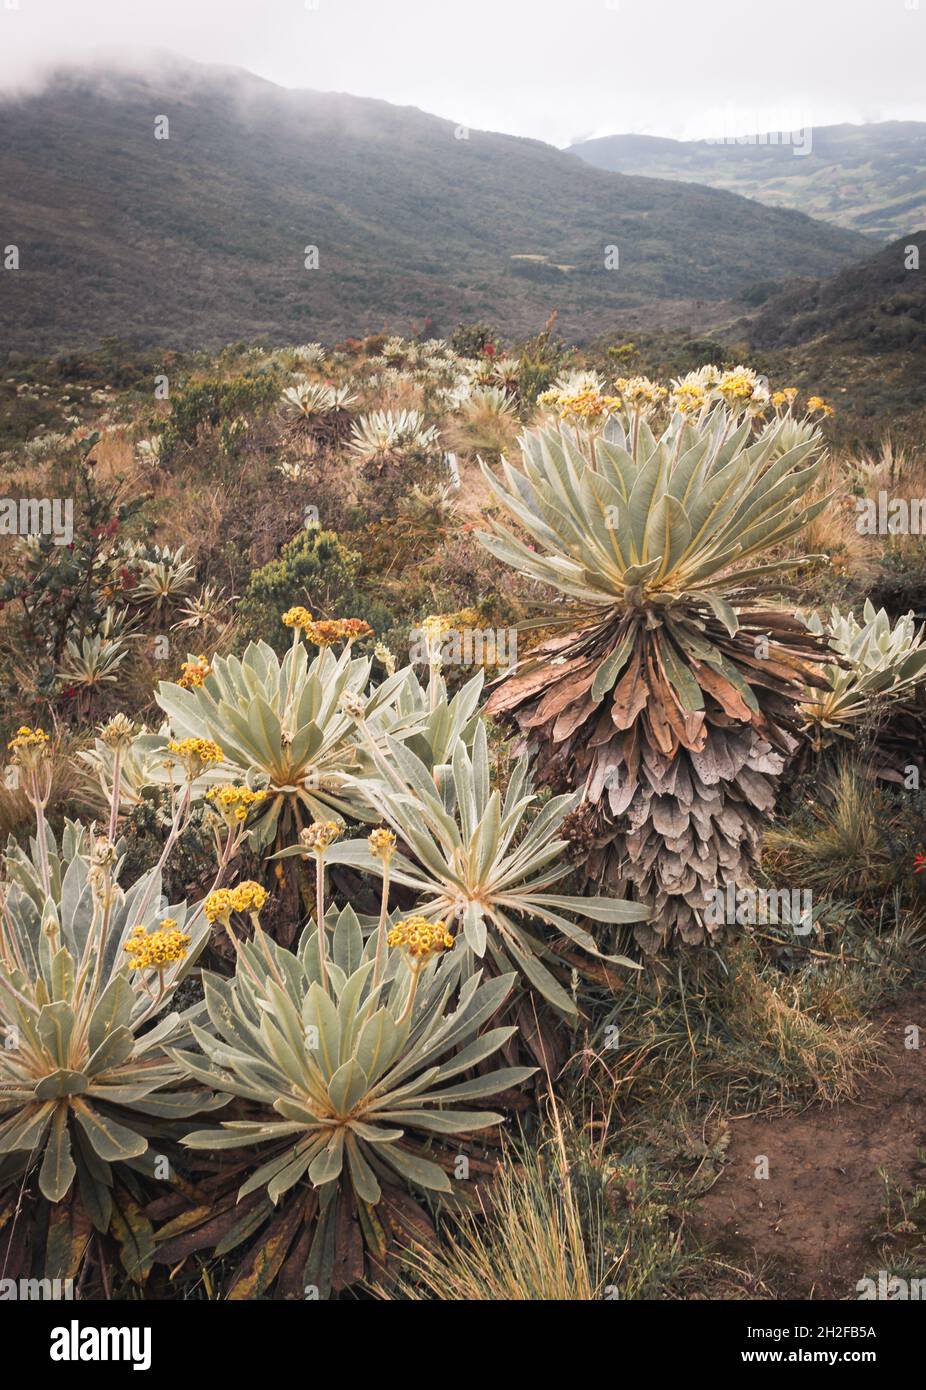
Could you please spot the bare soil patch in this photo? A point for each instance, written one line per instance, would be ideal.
(813, 1225)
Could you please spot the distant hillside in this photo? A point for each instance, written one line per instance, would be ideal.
(857, 338)
(869, 178)
(199, 239)
(877, 306)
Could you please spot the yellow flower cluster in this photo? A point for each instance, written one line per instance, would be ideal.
(218, 907)
(583, 406)
(235, 802)
(296, 617)
(638, 391)
(326, 631)
(27, 740)
(816, 405)
(738, 385)
(420, 937)
(247, 897)
(785, 397)
(382, 843)
(196, 753)
(160, 948)
(193, 673)
(689, 397)
(319, 835)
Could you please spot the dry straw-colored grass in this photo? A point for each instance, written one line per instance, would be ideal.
(842, 851)
(526, 1240)
(70, 794)
(834, 533)
(481, 429)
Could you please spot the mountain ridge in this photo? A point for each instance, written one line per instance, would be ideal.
(878, 306)
(200, 238)
(868, 178)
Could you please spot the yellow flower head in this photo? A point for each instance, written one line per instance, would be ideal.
(296, 617)
(155, 950)
(638, 392)
(689, 397)
(319, 835)
(421, 938)
(816, 405)
(28, 746)
(586, 406)
(328, 630)
(219, 906)
(193, 673)
(382, 844)
(322, 633)
(196, 754)
(248, 897)
(234, 803)
(739, 385)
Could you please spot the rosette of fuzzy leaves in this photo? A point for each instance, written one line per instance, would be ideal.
(350, 1088)
(282, 729)
(423, 716)
(315, 411)
(480, 861)
(881, 662)
(85, 1081)
(145, 767)
(669, 701)
(872, 680)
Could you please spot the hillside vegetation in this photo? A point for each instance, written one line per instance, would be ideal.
(880, 305)
(201, 238)
(266, 789)
(869, 178)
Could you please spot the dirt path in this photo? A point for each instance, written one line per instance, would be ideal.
(812, 1224)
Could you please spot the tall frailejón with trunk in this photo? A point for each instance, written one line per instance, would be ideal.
(668, 692)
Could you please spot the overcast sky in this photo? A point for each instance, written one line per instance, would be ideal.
(558, 70)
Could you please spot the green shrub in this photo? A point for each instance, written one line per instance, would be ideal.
(472, 339)
(315, 569)
(209, 404)
(52, 594)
